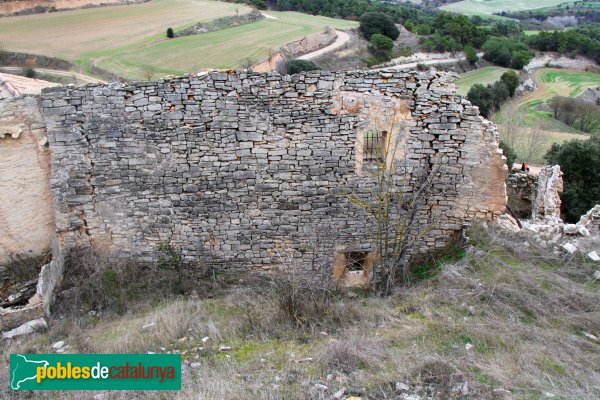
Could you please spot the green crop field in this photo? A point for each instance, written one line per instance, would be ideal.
(489, 7)
(128, 40)
(551, 82)
(222, 49)
(483, 75)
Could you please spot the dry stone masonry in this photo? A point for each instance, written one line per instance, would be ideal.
(236, 168)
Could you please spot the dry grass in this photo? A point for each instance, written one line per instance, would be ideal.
(521, 312)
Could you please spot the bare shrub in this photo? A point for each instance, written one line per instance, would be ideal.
(93, 281)
(304, 299)
(352, 353)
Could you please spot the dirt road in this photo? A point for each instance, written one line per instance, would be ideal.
(81, 77)
(340, 41)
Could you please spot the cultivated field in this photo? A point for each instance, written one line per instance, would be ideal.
(489, 7)
(486, 75)
(13, 6)
(551, 82)
(130, 39)
(228, 48)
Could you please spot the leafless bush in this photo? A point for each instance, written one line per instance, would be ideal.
(351, 354)
(93, 281)
(304, 299)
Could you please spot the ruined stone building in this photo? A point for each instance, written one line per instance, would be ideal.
(231, 167)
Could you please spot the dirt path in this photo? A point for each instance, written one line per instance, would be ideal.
(268, 16)
(342, 39)
(81, 77)
(434, 61)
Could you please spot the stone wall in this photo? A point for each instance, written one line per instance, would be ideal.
(26, 211)
(237, 168)
(520, 189)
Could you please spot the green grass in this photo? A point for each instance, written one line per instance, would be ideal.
(128, 39)
(551, 82)
(483, 75)
(489, 7)
(222, 49)
(569, 83)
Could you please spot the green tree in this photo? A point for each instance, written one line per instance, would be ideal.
(376, 22)
(509, 153)
(2, 53)
(500, 94)
(382, 46)
(471, 55)
(296, 66)
(580, 162)
(511, 80)
(507, 52)
(481, 97)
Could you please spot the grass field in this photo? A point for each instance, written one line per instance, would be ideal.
(483, 75)
(221, 49)
(489, 7)
(127, 39)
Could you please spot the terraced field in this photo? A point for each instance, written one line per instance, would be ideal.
(486, 75)
(130, 40)
(489, 7)
(551, 82)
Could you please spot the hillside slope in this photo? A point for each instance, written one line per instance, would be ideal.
(503, 320)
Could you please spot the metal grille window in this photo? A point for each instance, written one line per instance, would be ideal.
(374, 146)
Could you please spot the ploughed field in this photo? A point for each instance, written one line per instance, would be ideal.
(130, 40)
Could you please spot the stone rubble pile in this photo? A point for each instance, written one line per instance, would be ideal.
(540, 198)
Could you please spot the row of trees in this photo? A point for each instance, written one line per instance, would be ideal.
(491, 97)
(507, 52)
(584, 41)
(576, 112)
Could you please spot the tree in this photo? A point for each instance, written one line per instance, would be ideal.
(30, 65)
(296, 66)
(511, 80)
(500, 94)
(580, 162)
(471, 55)
(481, 97)
(376, 22)
(2, 53)
(389, 208)
(524, 136)
(382, 46)
(519, 59)
(588, 116)
(509, 153)
(507, 52)
(148, 71)
(170, 33)
(578, 113)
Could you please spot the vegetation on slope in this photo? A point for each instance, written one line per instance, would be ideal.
(503, 318)
(488, 8)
